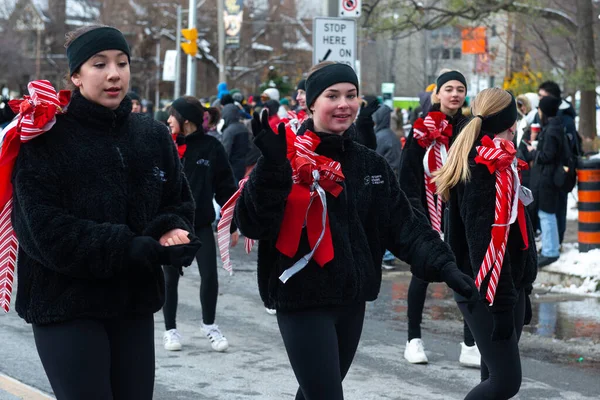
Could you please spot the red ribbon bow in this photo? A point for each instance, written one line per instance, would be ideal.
(498, 156)
(37, 114)
(433, 133)
(302, 206)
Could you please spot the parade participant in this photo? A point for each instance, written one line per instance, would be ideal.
(100, 202)
(297, 117)
(136, 102)
(318, 270)
(428, 144)
(492, 238)
(209, 174)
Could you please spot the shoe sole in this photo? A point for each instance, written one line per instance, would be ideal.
(172, 348)
(469, 365)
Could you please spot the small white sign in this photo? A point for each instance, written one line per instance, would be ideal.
(169, 65)
(350, 8)
(334, 39)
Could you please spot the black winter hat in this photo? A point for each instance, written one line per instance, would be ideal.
(549, 105)
(226, 99)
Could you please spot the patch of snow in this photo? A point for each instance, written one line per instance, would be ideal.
(572, 211)
(301, 44)
(261, 47)
(81, 9)
(573, 262)
(587, 288)
(137, 9)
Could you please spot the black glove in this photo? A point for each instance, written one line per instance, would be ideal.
(181, 255)
(366, 112)
(528, 311)
(504, 325)
(458, 281)
(272, 145)
(145, 250)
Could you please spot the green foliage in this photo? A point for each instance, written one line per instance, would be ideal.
(281, 83)
(582, 79)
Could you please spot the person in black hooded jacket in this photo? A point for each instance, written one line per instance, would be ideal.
(207, 168)
(321, 308)
(492, 238)
(100, 202)
(547, 158)
(448, 99)
(235, 140)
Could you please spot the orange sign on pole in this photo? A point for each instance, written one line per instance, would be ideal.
(474, 40)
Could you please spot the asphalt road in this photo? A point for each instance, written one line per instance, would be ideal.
(256, 366)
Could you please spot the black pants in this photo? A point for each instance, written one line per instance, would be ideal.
(417, 291)
(321, 344)
(209, 283)
(99, 359)
(561, 215)
(500, 360)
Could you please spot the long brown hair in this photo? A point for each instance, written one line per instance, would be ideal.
(456, 170)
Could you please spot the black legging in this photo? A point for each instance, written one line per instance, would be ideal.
(417, 291)
(209, 283)
(98, 359)
(321, 344)
(500, 360)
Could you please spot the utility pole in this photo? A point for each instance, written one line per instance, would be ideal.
(190, 87)
(177, 91)
(38, 54)
(221, 34)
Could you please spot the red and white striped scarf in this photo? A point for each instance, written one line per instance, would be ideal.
(36, 115)
(433, 133)
(295, 119)
(498, 155)
(304, 206)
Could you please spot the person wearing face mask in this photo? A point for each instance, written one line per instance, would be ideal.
(492, 238)
(210, 176)
(99, 203)
(324, 209)
(425, 151)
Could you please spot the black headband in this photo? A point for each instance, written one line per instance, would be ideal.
(188, 112)
(301, 85)
(447, 77)
(327, 76)
(93, 42)
(502, 120)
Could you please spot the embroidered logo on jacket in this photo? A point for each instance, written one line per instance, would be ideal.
(374, 180)
(160, 174)
(204, 162)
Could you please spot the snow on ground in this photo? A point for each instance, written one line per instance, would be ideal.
(572, 212)
(584, 265)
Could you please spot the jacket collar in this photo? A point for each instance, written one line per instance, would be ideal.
(331, 145)
(93, 114)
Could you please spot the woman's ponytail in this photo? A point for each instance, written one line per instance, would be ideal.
(456, 170)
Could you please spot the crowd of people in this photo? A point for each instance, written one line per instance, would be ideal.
(110, 208)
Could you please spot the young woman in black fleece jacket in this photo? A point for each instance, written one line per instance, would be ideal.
(209, 173)
(100, 202)
(492, 238)
(320, 309)
(449, 97)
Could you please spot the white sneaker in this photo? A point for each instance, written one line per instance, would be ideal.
(414, 352)
(271, 311)
(172, 340)
(469, 356)
(218, 342)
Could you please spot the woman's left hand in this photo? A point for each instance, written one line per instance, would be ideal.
(174, 237)
(235, 237)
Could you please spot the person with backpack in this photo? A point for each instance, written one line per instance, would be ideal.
(547, 156)
(566, 113)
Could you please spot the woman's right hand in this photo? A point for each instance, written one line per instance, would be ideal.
(273, 146)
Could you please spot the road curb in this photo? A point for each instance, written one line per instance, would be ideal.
(22, 390)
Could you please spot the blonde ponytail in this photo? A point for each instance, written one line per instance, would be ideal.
(456, 170)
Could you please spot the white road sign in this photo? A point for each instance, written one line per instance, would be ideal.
(350, 8)
(334, 39)
(169, 65)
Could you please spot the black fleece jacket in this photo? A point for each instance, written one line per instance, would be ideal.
(82, 192)
(208, 171)
(370, 215)
(411, 163)
(468, 231)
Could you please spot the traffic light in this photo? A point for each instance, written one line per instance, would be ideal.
(190, 48)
